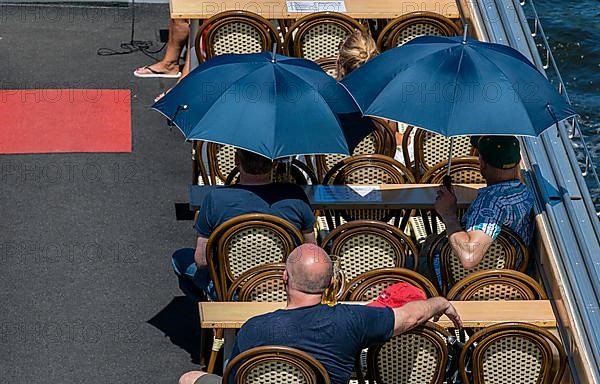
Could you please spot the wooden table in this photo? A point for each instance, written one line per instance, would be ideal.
(277, 9)
(474, 314)
(386, 196)
(230, 316)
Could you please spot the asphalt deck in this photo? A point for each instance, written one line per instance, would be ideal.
(87, 294)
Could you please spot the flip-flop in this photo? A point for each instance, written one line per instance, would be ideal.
(154, 73)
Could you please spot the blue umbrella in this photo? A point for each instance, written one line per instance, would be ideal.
(457, 86)
(269, 104)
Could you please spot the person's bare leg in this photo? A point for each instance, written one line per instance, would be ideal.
(179, 30)
(190, 377)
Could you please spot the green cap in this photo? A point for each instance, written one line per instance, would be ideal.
(501, 152)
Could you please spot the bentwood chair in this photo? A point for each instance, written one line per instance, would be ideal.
(214, 162)
(367, 169)
(417, 356)
(506, 252)
(366, 245)
(512, 353)
(261, 283)
(431, 148)
(381, 141)
(367, 286)
(406, 27)
(275, 365)
(501, 284)
(235, 32)
(319, 35)
(247, 241)
(241, 244)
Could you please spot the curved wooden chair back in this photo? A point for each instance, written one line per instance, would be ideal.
(463, 170)
(381, 141)
(506, 252)
(329, 65)
(296, 173)
(367, 286)
(431, 148)
(275, 365)
(406, 27)
(261, 283)
(368, 169)
(366, 245)
(319, 35)
(497, 285)
(417, 356)
(247, 241)
(200, 173)
(235, 32)
(513, 353)
(221, 161)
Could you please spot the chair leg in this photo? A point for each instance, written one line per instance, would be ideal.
(218, 342)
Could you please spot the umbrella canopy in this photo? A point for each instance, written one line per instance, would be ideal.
(455, 86)
(269, 104)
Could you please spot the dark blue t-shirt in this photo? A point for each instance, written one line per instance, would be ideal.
(332, 335)
(287, 201)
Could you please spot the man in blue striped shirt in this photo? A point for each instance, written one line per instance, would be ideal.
(505, 201)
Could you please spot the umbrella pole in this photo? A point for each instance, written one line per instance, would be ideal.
(447, 179)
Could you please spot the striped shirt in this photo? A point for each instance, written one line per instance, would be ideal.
(507, 203)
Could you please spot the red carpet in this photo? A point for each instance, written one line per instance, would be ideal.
(65, 120)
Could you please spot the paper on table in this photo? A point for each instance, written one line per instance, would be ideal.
(304, 6)
(364, 190)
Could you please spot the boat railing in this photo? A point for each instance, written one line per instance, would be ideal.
(573, 125)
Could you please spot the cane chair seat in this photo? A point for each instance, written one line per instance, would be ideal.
(245, 242)
(406, 27)
(319, 35)
(365, 245)
(512, 353)
(263, 283)
(417, 356)
(234, 32)
(497, 285)
(275, 365)
(368, 286)
(506, 252)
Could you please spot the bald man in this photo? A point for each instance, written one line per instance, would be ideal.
(333, 335)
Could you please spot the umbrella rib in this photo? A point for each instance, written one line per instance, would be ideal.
(462, 54)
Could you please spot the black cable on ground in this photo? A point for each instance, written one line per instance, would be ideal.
(133, 45)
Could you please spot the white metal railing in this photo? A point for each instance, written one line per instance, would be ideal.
(574, 128)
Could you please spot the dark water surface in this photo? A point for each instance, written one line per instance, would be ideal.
(573, 30)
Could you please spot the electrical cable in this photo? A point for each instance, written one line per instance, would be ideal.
(133, 45)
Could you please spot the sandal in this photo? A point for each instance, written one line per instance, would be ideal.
(146, 72)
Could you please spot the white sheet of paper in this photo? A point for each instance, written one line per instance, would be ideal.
(364, 190)
(303, 6)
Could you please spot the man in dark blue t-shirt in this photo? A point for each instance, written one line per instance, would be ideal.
(253, 194)
(332, 335)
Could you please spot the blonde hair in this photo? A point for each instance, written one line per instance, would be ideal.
(358, 48)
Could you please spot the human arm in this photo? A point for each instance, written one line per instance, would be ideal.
(309, 237)
(468, 246)
(200, 254)
(418, 312)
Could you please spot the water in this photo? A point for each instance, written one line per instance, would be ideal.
(573, 30)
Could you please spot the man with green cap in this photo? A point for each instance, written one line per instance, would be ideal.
(505, 201)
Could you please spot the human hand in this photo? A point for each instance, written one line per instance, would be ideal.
(445, 203)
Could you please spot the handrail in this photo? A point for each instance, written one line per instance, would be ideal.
(574, 128)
